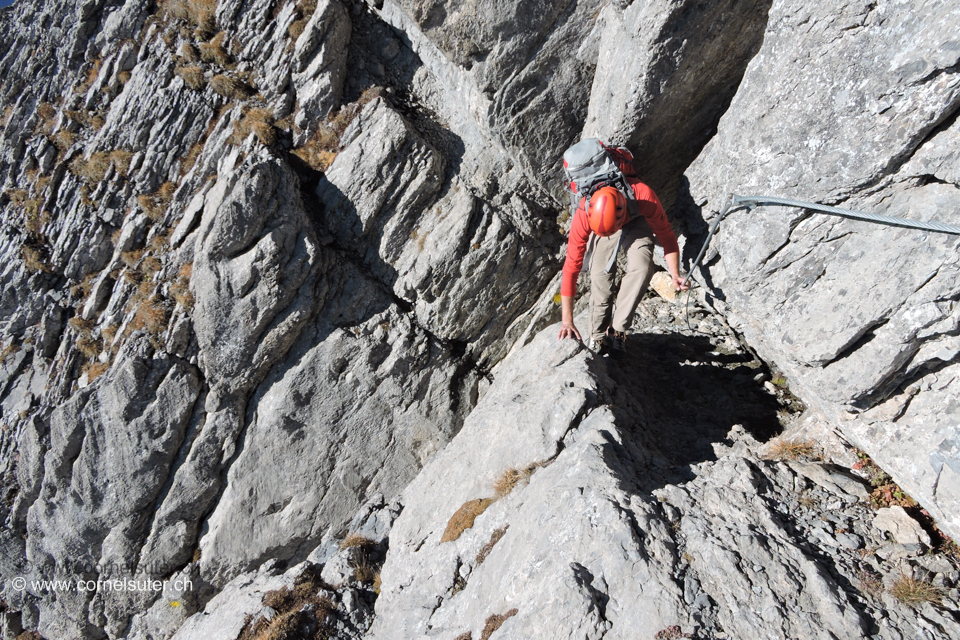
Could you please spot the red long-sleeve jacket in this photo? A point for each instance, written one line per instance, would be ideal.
(650, 208)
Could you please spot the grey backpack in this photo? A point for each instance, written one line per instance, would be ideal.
(589, 165)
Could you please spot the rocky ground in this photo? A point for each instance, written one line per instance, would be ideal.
(722, 525)
(273, 272)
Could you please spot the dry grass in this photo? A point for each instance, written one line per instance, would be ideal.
(160, 242)
(33, 218)
(464, 517)
(488, 547)
(190, 159)
(150, 265)
(151, 315)
(8, 351)
(42, 183)
(468, 635)
(256, 121)
(214, 52)
(120, 159)
(950, 548)
(63, 139)
(353, 540)
(494, 622)
(793, 450)
(46, 111)
(293, 608)
(144, 291)
(321, 149)
(91, 76)
(807, 501)
(869, 583)
(89, 347)
(307, 7)
(94, 169)
(131, 258)
(189, 52)
(83, 288)
(369, 95)
(17, 196)
(364, 571)
(192, 77)
(296, 28)
(166, 191)
(510, 478)
(155, 204)
(314, 156)
(124, 77)
(77, 323)
(94, 370)
(913, 592)
(180, 289)
(108, 333)
(199, 13)
(230, 88)
(91, 170)
(33, 260)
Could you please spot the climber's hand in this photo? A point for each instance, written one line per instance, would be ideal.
(568, 330)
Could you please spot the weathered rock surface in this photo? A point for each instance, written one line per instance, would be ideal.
(623, 529)
(464, 265)
(853, 105)
(643, 95)
(86, 494)
(261, 261)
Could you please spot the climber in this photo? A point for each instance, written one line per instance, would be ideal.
(607, 215)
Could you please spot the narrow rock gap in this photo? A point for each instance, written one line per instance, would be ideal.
(858, 341)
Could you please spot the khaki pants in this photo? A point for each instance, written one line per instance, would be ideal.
(638, 245)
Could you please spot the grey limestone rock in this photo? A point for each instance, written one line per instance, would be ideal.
(644, 95)
(595, 542)
(255, 271)
(346, 416)
(904, 529)
(319, 64)
(218, 360)
(104, 462)
(503, 54)
(856, 325)
(464, 265)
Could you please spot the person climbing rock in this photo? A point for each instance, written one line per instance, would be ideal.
(616, 210)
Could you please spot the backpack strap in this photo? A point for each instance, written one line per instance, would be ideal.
(588, 254)
(633, 210)
(633, 207)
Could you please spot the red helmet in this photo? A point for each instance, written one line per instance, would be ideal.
(607, 212)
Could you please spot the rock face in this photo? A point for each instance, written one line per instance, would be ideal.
(622, 523)
(273, 283)
(861, 317)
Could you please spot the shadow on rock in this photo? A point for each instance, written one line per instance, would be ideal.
(681, 397)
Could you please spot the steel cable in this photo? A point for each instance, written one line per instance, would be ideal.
(735, 203)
